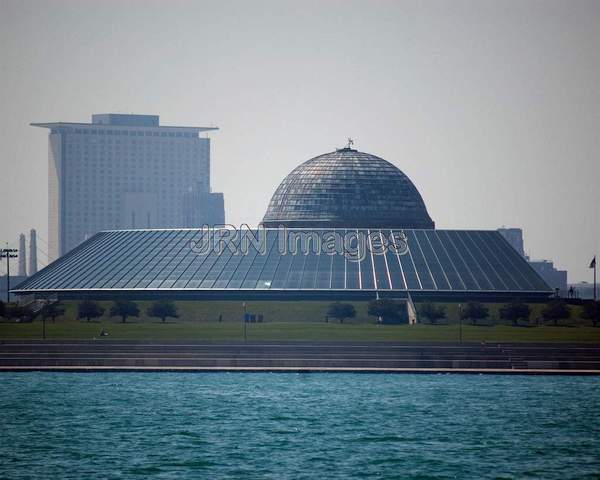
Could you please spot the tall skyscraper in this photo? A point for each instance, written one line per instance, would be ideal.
(121, 172)
(33, 263)
(22, 257)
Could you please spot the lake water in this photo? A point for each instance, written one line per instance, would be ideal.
(297, 426)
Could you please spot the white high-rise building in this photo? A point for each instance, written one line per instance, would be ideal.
(120, 172)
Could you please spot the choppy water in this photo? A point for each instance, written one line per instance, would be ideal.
(280, 426)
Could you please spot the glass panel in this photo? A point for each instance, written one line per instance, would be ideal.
(366, 265)
(265, 278)
(419, 261)
(434, 265)
(178, 249)
(529, 280)
(490, 254)
(378, 254)
(295, 273)
(472, 265)
(120, 259)
(62, 271)
(310, 271)
(189, 264)
(393, 262)
(147, 260)
(482, 261)
(169, 255)
(461, 267)
(324, 271)
(447, 264)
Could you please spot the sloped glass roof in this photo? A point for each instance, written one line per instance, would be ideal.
(437, 261)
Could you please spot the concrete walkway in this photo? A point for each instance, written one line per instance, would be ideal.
(382, 357)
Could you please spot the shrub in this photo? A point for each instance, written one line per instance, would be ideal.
(591, 311)
(52, 310)
(341, 311)
(515, 311)
(89, 309)
(389, 311)
(432, 312)
(474, 311)
(555, 310)
(124, 309)
(162, 309)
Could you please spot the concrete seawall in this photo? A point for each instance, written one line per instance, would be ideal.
(301, 356)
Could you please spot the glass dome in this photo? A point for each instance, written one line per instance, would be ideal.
(347, 189)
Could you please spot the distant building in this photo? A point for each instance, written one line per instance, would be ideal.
(514, 236)
(120, 172)
(203, 208)
(557, 279)
(553, 277)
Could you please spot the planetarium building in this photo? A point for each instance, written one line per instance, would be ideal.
(345, 224)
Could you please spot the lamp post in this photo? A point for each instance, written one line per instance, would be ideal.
(460, 336)
(244, 320)
(8, 253)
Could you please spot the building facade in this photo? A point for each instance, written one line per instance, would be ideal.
(120, 171)
(557, 279)
(355, 228)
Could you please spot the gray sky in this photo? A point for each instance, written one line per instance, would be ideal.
(491, 108)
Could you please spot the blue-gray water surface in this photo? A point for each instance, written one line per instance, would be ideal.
(297, 426)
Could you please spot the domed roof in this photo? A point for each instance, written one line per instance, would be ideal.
(350, 189)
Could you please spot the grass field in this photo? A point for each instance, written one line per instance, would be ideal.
(290, 321)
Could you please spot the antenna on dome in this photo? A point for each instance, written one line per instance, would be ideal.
(350, 143)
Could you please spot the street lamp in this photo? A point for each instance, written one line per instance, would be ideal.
(460, 322)
(244, 320)
(8, 253)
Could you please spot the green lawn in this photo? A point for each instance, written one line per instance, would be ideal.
(291, 321)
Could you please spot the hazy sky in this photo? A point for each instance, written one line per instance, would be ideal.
(491, 108)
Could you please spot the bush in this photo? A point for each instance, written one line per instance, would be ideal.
(474, 311)
(515, 311)
(432, 312)
(124, 309)
(556, 310)
(388, 310)
(341, 311)
(14, 311)
(52, 310)
(591, 311)
(89, 309)
(162, 309)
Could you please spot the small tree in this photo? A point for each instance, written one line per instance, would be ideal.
(341, 311)
(555, 310)
(162, 309)
(124, 309)
(591, 311)
(16, 311)
(432, 312)
(52, 310)
(515, 311)
(89, 309)
(474, 311)
(388, 310)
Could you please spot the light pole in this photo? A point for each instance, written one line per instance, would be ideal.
(8, 253)
(244, 320)
(460, 322)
